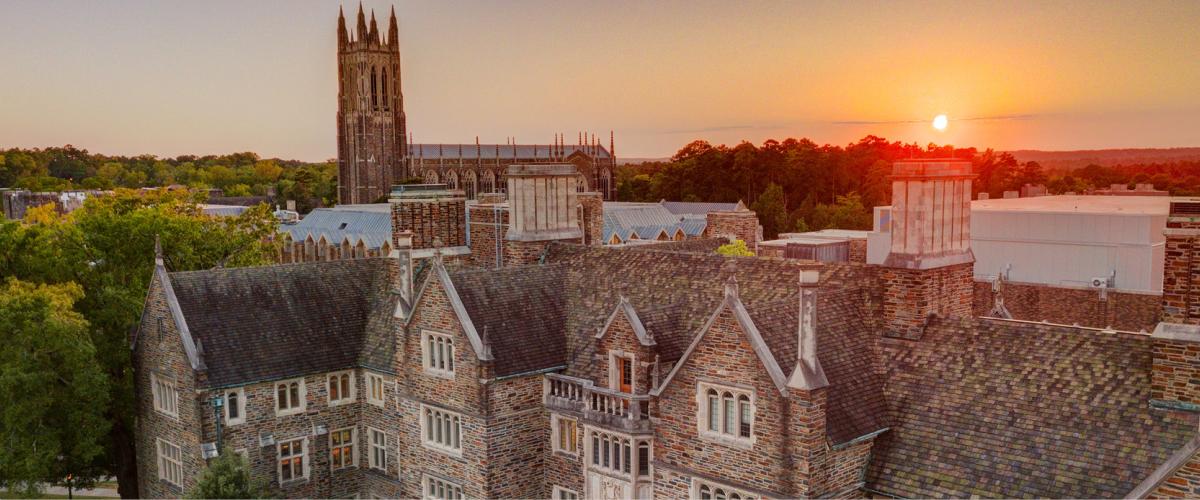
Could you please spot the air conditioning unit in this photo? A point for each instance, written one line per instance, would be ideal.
(1099, 282)
(266, 439)
(209, 450)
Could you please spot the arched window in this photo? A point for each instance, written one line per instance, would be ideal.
(452, 179)
(374, 97)
(431, 177)
(745, 416)
(714, 420)
(605, 182)
(469, 184)
(232, 402)
(730, 416)
(489, 182)
(581, 185)
(383, 82)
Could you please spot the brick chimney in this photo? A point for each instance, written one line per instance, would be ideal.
(591, 218)
(429, 211)
(741, 223)
(403, 280)
(543, 207)
(1176, 351)
(808, 400)
(929, 270)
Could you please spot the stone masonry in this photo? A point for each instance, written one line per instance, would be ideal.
(739, 224)
(432, 213)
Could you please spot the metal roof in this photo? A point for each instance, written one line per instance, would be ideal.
(490, 151)
(696, 208)
(647, 221)
(357, 223)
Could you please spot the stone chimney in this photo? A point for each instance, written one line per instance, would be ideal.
(1175, 375)
(591, 218)
(808, 374)
(929, 270)
(808, 401)
(741, 223)
(429, 211)
(542, 201)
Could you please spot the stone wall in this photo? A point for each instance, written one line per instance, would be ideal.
(489, 223)
(910, 296)
(1181, 264)
(443, 218)
(520, 253)
(518, 438)
(591, 218)
(741, 224)
(1127, 311)
(160, 352)
(858, 250)
(1175, 373)
(724, 356)
(1184, 483)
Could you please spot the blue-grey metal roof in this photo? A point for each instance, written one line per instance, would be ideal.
(370, 224)
(490, 151)
(696, 208)
(647, 221)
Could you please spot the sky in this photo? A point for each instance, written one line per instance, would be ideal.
(175, 77)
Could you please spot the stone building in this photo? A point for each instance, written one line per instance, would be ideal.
(554, 368)
(375, 149)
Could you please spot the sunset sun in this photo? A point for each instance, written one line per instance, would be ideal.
(940, 122)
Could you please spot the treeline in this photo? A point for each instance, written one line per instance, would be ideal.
(798, 185)
(237, 174)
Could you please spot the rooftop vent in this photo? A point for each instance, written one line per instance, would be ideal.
(1185, 208)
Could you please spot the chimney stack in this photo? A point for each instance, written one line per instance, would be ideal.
(1176, 350)
(808, 374)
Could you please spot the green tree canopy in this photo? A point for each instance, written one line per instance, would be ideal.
(228, 476)
(52, 423)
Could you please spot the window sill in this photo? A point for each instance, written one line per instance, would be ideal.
(288, 413)
(735, 442)
(291, 483)
(566, 454)
(377, 402)
(439, 374)
(447, 451)
(343, 468)
(341, 402)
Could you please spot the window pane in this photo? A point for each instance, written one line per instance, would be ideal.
(595, 449)
(232, 403)
(643, 459)
(729, 414)
(346, 385)
(713, 413)
(450, 355)
(282, 396)
(625, 446)
(744, 428)
(604, 440)
(334, 389)
(705, 493)
(294, 395)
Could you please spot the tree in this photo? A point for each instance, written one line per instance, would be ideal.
(107, 247)
(52, 423)
(735, 248)
(228, 476)
(771, 210)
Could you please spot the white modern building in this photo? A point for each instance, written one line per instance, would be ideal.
(1073, 241)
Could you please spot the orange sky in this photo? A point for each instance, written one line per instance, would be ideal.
(171, 78)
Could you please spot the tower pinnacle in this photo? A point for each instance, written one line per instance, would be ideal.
(361, 30)
(374, 34)
(393, 31)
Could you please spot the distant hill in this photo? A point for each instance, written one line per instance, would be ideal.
(1107, 157)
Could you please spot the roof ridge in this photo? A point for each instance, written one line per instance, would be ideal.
(273, 266)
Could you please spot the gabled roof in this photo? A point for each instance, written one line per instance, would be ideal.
(696, 208)
(519, 312)
(999, 408)
(274, 322)
(624, 307)
(365, 223)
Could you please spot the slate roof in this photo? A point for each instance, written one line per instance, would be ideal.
(1005, 409)
(647, 221)
(362, 223)
(507, 151)
(519, 313)
(274, 322)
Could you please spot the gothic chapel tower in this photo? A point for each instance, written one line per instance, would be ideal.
(372, 148)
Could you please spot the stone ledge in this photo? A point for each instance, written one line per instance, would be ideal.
(1177, 331)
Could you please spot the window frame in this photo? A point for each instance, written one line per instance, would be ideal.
(729, 491)
(164, 472)
(556, 422)
(240, 394)
(371, 447)
(302, 395)
(305, 462)
(157, 384)
(371, 378)
(427, 354)
(559, 491)
(353, 445)
(342, 397)
(433, 443)
(610, 452)
(447, 484)
(615, 357)
(729, 398)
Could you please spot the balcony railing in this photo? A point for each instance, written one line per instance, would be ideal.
(598, 404)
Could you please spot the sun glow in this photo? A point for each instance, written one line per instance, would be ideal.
(940, 122)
